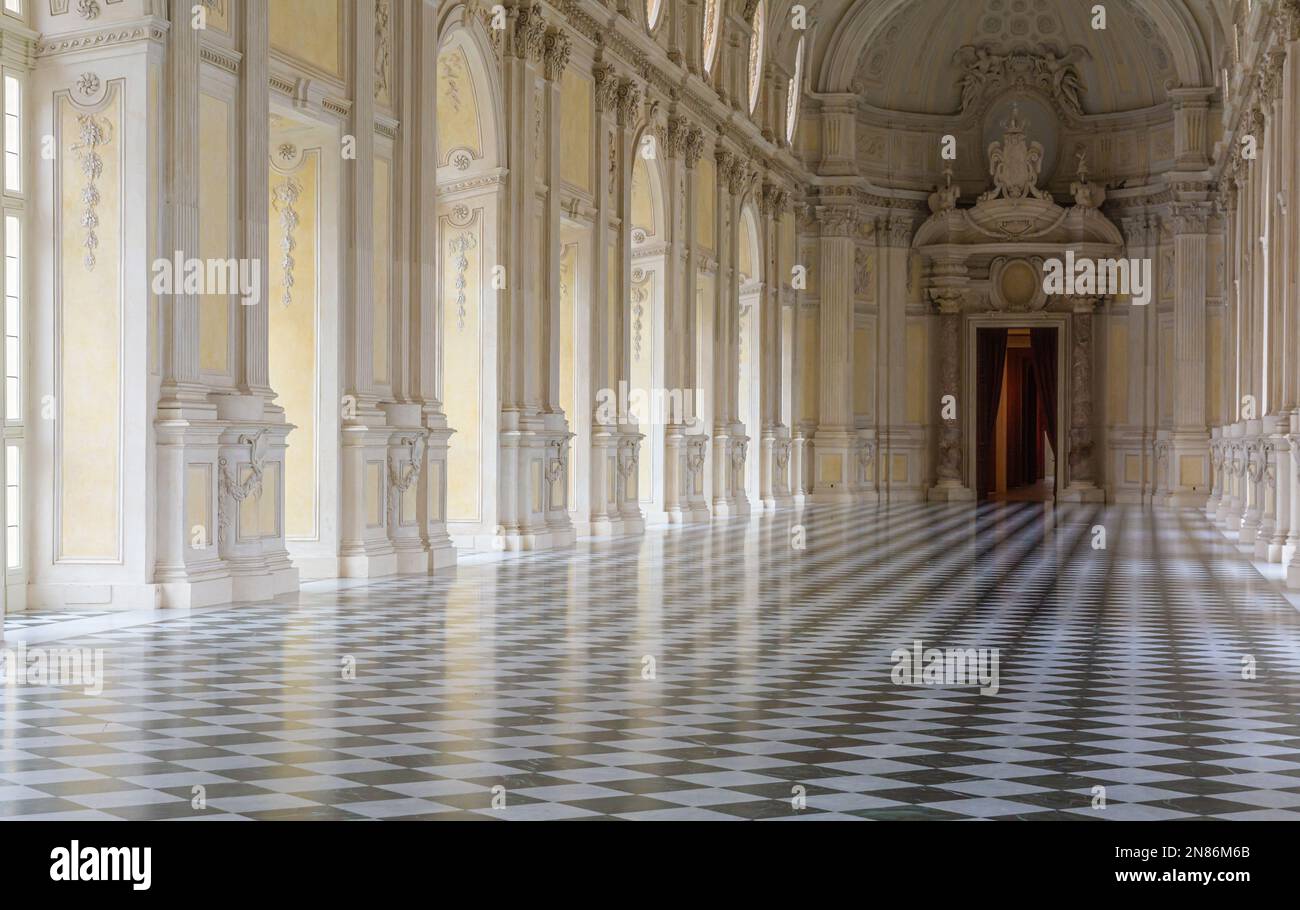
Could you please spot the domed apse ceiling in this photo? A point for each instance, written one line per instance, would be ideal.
(909, 65)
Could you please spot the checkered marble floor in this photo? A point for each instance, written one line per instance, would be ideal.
(707, 673)
(35, 619)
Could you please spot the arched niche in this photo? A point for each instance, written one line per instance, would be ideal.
(470, 213)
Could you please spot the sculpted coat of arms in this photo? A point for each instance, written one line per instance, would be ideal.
(1015, 163)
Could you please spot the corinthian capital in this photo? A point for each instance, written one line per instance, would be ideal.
(555, 52)
(837, 220)
(739, 176)
(1191, 218)
(674, 136)
(1288, 13)
(900, 231)
(606, 86)
(629, 102)
(694, 146)
(529, 34)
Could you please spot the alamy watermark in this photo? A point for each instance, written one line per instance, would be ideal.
(658, 407)
(24, 666)
(1087, 277)
(922, 666)
(180, 275)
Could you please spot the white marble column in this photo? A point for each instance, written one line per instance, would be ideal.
(722, 304)
(420, 111)
(775, 451)
(186, 426)
(521, 476)
(1189, 468)
(604, 518)
(836, 435)
(629, 100)
(364, 548)
(949, 486)
(679, 343)
(556, 435)
(1082, 455)
(697, 440)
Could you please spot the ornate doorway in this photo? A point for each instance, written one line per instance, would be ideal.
(985, 270)
(1017, 383)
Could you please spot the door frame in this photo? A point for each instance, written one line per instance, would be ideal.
(971, 324)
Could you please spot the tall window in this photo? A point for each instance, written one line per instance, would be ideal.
(712, 31)
(13, 318)
(13, 277)
(652, 10)
(796, 92)
(756, 42)
(14, 6)
(13, 507)
(13, 134)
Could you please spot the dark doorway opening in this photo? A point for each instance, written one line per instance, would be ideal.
(1016, 372)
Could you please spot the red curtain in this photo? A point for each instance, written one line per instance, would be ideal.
(992, 359)
(1043, 344)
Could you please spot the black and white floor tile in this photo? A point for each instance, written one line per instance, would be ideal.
(707, 673)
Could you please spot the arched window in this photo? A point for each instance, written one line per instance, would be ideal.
(712, 31)
(652, 10)
(796, 92)
(756, 55)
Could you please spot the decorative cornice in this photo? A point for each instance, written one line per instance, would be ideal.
(667, 78)
(221, 57)
(151, 29)
(340, 106)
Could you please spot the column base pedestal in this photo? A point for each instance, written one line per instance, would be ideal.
(1082, 492)
(951, 492)
(367, 566)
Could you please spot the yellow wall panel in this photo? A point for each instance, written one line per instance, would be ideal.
(1214, 368)
(89, 338)
(292, 341)
(309, 31)
(643, 209)
(1191, 470)
(808, 343)
(863, 368)
(1117, 374)
(576, 92)
(917, 372)
(1132, 469)
(462, 351)
(458, 108)
(705, 204)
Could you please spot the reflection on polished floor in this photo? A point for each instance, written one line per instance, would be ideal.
(708, 673)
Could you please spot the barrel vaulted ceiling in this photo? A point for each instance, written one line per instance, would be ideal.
(899, 54)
